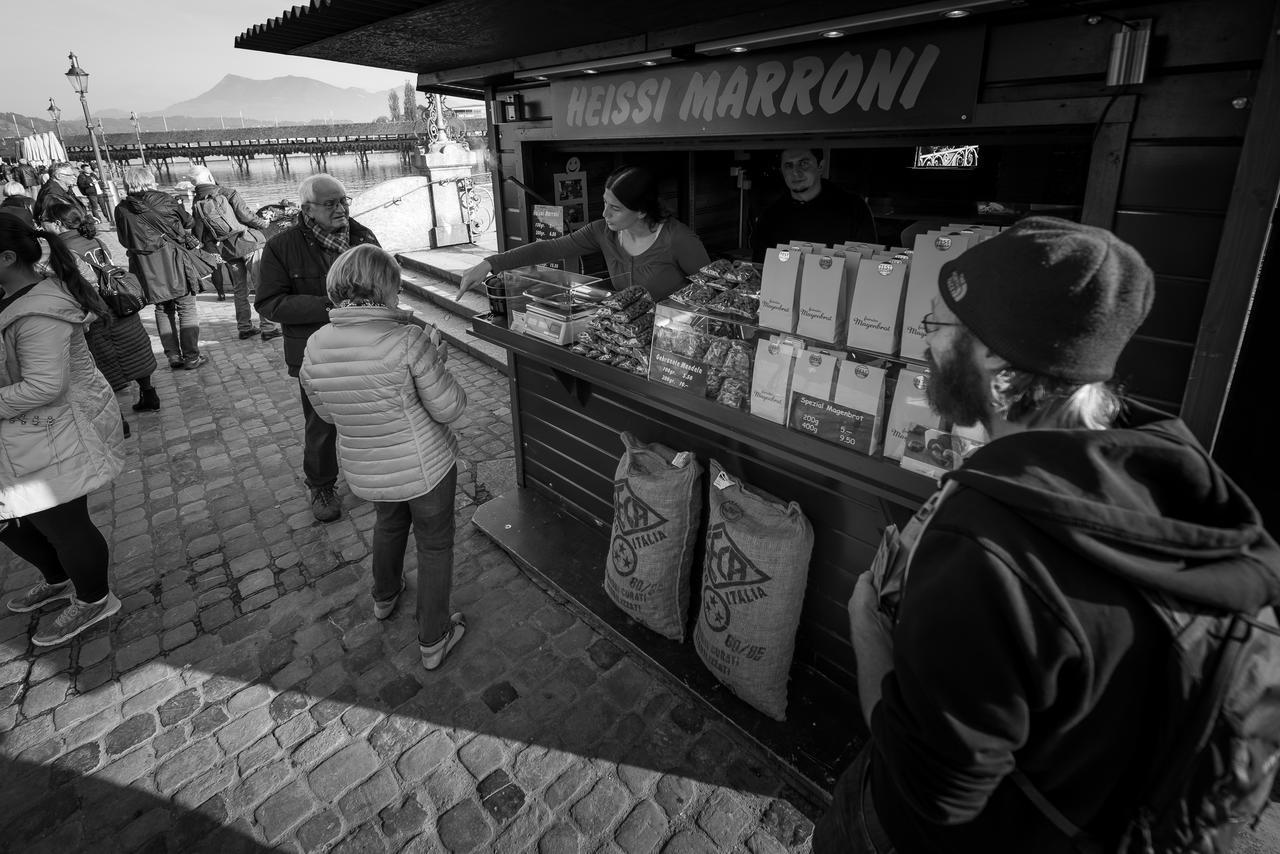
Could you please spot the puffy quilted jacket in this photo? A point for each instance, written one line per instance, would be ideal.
(60, 433)
(374, 373)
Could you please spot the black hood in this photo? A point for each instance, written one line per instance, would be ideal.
(1143, 500)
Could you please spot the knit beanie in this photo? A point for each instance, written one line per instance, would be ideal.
(1051, 296)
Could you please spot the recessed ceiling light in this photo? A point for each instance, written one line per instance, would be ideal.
(647, 62)
(956, 13)
(832, 34)
(737, 49)
(589, 71)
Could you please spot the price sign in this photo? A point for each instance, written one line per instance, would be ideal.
(831, 422)
(678, 371)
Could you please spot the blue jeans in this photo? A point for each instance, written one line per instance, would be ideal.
(851, 825)
(238, 270)
(178, 322)
(431, 517)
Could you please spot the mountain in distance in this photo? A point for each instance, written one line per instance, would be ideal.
(289, 99)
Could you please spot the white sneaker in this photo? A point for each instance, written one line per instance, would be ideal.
(433, 654)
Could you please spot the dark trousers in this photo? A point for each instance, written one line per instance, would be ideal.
(100, 201)
(431, 517)
(238, 272)
(178, 322)
(851, 825)
(319, 447)
(62, 542)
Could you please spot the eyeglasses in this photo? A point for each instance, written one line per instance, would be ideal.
(332, 204)
(931, 326)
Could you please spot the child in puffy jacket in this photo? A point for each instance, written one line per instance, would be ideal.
(378, 375)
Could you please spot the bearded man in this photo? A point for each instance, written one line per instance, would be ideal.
(1024, 661)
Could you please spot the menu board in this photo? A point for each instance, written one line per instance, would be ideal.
(831, 422)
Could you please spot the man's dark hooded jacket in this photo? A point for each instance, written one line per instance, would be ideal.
(1022, 639)
(291, 285)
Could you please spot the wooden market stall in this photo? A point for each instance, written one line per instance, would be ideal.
(1155, 120)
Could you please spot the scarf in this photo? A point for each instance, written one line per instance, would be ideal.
(336, 242)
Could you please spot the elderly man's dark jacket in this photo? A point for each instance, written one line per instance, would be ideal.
(291, 285)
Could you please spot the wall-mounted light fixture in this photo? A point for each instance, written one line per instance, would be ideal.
(838, 27)
(613, 63)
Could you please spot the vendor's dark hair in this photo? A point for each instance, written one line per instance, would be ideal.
(637, 189)
(18, 235)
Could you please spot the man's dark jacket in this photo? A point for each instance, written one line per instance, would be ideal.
(50, 194)
(291, 287)
(1022, 639)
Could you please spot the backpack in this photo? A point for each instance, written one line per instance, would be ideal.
(1220, 743)
(221, 225)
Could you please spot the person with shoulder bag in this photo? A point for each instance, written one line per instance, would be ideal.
(154, 230)
(225, 225)
(121, 348)
(59, 429)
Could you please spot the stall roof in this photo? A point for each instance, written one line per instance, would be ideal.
(470, 42)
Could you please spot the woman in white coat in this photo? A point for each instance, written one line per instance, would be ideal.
(60, 431)
(379, 376)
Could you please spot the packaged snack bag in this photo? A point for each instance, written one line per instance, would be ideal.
(909, 414)
(931, 252)
(876, 305)
(826, 279)
(780, 288)
(771, 380)
(860, 387)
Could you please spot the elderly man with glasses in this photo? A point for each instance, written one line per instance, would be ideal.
(62, 177)
(291, 292)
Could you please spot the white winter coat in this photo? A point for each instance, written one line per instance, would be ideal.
(60, 430)
(374, 373)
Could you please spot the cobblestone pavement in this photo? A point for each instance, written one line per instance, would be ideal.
(246, 699)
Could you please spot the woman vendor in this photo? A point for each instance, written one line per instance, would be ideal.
(636, 236)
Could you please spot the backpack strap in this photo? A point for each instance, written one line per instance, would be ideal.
(1080, 839)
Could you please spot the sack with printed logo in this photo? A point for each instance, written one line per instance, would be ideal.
(657, 504)
(753, 580)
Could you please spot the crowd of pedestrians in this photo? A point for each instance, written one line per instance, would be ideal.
(376, 393)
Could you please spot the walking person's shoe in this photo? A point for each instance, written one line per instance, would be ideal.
(268, 334)
(325, 504)
(249, 333)
(433, 654)
(75, 618)
(39, 596)
(382, 608)
(194, 362)
(176, 363)
(148, 401)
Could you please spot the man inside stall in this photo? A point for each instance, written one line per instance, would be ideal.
(812, 210)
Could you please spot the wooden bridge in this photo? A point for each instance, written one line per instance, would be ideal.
(241, 151)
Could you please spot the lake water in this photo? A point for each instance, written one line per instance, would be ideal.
(265, 183)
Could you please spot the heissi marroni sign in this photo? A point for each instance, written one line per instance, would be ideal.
(903, 81)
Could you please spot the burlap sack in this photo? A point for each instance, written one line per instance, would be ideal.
(753, 580)
(656, 509)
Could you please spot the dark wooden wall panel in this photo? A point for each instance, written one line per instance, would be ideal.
(1176, 313)
(1193, 106)
(1157, 370)
(1179, 177)
(1174, 244)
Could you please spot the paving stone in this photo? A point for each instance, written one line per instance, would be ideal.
(674, 795)
(785, 823)
(85, 705)
(599, 808)
(463, 828)
(363, 841)
(642, 829)
(499, 695)
(319, 829)
(185, 764)
(560, 838)
(722, 819)
(404, 820)
(43, 697)
(251, 697)
(207, 720)
(343, 770)
(80, 761)
(501, 797)
(424, 757)
(481, 755)
(394, 734)
(287, 704)
(179, 707)
(169, 741)
(370, 797)
(278, 813)
(636, 777)
(762, 843)
(689, 842)
(568, 784)
(295, 730)
(245, 730)
(130, 733)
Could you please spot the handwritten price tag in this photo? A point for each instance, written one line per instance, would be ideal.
(678, 371)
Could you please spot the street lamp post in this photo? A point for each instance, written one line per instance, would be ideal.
(142, 152)
(56, 114)
(79, 80)
(102, 134)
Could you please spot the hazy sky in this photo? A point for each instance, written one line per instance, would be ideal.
(144, 55)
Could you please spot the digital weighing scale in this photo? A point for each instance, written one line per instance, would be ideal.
(558, 303)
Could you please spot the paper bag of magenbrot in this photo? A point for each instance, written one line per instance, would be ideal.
(657, 504)
(753, 580)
